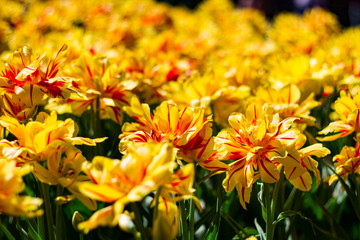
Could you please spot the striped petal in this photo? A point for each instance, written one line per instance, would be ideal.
(102, 192)
(268, 171)
(303, 182)
(73, 186)
(103, 217)
(292, 164)
(86, 141)
(28, 70)
(244, 194)
(341, 129)
(315, 150)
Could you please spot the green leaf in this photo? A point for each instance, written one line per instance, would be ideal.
(23, 234)
(6, 232)
(32, 233)
(41, 226)
(260, 197)
(348, 190)
(260, 230)
(250, 231)
(212, 232)
(291, 213)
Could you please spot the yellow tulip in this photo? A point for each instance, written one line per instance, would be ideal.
(167, 221)
(63, 165)
(347, 112)
(255, 142)
(186, 128)
(37, 138)
(98, 81)
(26, 77)
(167, 217)
(346, 162)
(299, 162)
(144, 168)
(286, 102)
(11, 203)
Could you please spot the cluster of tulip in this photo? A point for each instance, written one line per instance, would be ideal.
(216, 93)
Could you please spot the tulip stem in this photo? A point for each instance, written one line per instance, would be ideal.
(357, 192)
(97, 118)
(349, 192)
(96, 124)
(40, 219)
(270, 227)
(275, 196)
(353, 178)
(59, 231)
(48, 210)
(138, 221)
(156, 208)
(41, 226)
(192, 215)
(191, 221)
(184, 225)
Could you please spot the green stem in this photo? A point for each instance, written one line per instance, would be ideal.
(353, 199)
(192, 220)
(290, 200)
(97, 115)
(138, 221)
(184, 224)
(48, 211)
(22, 231)
(96, 126)
(41, 219)
(41, 226)
(59, 228)
(353, 179)
(269, 220)
(158, 192)
(275, 197)
(99, 150)
(192, 215)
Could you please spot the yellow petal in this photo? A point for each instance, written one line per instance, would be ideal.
(303, 182)
(44, 175)
(103, 217)
(86, 141)
(73, 186)
(268, 171)
(102, 192)
(292, 164)
(28, 70)
(244, 194)
(233, 175)
(316, 150)
(166, 224)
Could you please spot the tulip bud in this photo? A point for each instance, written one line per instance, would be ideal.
(76, 220)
